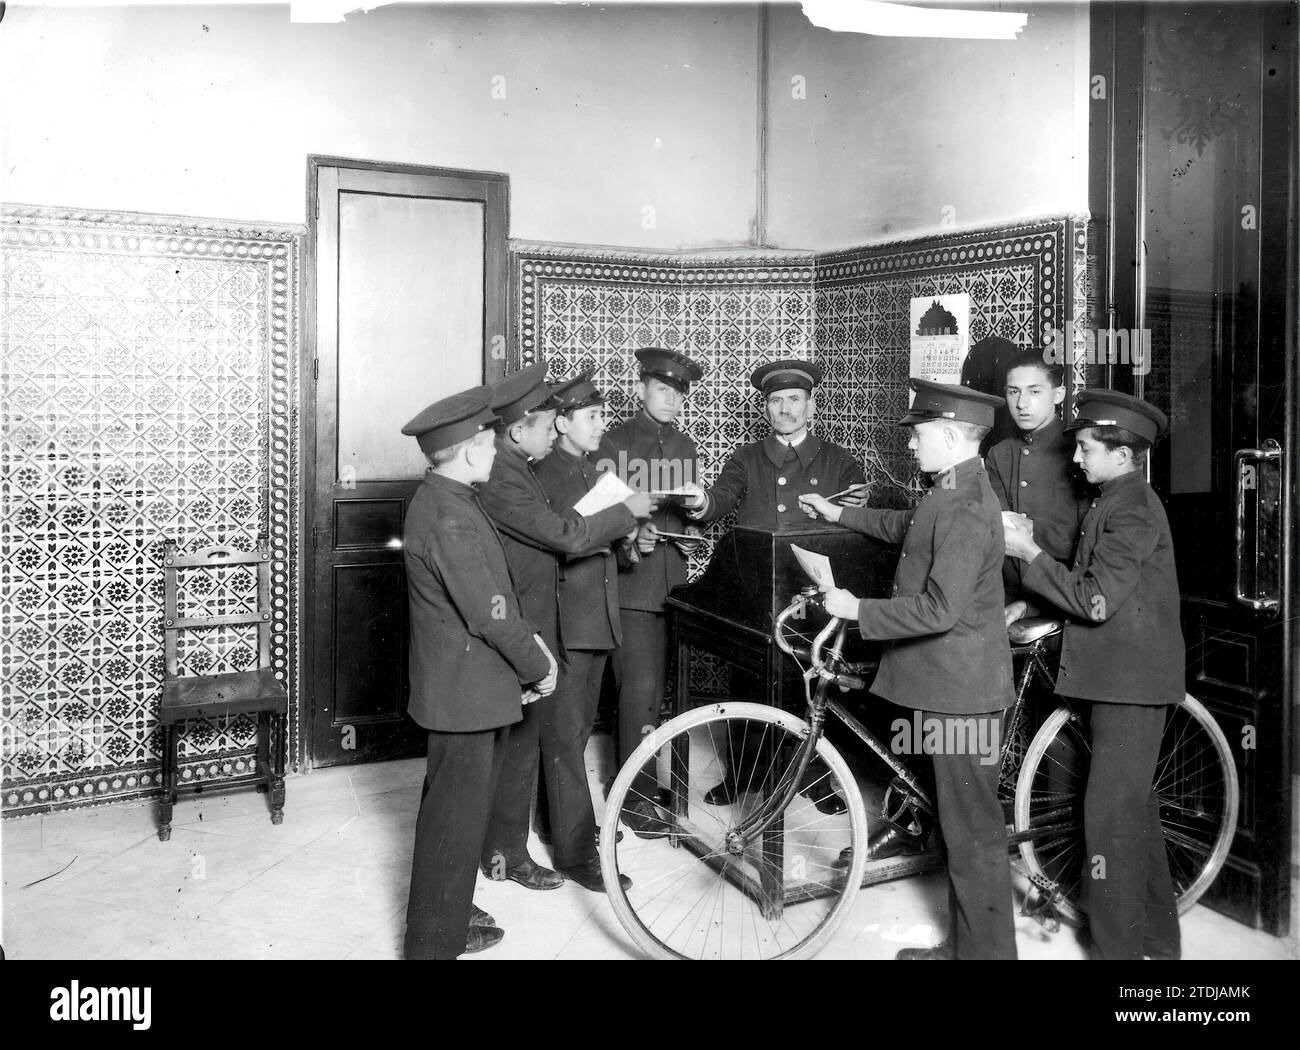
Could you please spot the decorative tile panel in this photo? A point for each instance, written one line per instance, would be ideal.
(848, 311)
(593, 309)
(148, 390)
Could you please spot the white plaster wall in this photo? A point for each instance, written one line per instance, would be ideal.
(893, 131)
(213, 110)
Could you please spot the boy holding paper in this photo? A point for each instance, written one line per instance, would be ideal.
(651, 453)
(589, 627)
(535, 537)
(945, 651)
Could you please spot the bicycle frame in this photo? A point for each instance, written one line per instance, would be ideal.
(822, 661)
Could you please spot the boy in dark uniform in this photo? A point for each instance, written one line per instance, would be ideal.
(473, 657)
(762, 482)
(589, 626)
(534, 537)
(648, 452)
(945, 650)
(1122, 652)
(1033, 473)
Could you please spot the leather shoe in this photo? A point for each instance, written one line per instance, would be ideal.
(589, 878)
(480, 937)
(939, 951)
(644, 820)
(831, 804)
(1161, 952)
(478, 917)
(529, 874)
(723, 794)
(901, 845)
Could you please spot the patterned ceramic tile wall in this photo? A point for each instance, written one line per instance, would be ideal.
(594, 309)
(148, 389)
(1022, 282)
(848, 311)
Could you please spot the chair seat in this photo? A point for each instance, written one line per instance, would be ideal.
(1032, 628)
(218, 695)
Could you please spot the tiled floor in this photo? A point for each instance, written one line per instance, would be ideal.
(331, 883)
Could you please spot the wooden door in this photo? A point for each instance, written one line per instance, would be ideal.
(407, 273)
(1194, 150)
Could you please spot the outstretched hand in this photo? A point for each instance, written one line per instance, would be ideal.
(816, 506)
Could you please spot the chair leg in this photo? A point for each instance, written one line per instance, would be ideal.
(264, 730)
(168, 782)
(278, 734)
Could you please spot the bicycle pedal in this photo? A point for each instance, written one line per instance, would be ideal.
(1040, 905)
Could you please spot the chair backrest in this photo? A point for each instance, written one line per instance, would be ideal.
(212, 564)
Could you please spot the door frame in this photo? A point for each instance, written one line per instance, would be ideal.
(496, 300)
(1115, 196)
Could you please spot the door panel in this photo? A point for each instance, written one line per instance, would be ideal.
(410, 303)
(1193, 205)
(408, 285)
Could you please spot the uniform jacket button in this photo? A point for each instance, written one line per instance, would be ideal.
(780, 508)
(780, 481)
(1024, 484)
(1024, 452)
(812, 481)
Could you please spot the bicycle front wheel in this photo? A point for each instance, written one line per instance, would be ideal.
(706, 884)
(1195, 784)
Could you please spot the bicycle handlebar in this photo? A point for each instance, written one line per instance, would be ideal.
(801, 601)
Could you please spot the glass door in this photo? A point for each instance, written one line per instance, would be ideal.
(1194, 207)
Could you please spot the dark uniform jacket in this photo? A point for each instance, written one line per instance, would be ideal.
(1123, 642)
(651, 456)
(534, 536)
(471, 648)
(945, 637)
(766, 478)
(588, 582)
(1034, 474)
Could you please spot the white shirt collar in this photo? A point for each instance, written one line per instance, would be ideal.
(792, 443)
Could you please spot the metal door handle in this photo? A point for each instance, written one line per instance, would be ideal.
(1267, 453)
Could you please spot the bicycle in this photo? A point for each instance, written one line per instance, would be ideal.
(769, 876)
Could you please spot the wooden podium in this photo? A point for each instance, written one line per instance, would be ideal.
(730, 610)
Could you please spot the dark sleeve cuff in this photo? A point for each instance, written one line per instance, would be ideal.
(854, 518)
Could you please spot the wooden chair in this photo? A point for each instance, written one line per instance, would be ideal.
(213, 696)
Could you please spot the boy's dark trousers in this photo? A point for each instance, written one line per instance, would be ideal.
(458, 787)
(1132, 910)
(640, 667)
(975, 841)
(506, 843)
(564, 795)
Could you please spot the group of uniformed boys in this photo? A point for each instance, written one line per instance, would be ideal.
(518, 602)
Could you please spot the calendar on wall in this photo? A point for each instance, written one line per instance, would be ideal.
(940, 337)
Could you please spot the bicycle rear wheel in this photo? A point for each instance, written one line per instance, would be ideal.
(697, 891)
(1195, 783)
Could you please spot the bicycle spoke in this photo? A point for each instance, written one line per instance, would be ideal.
(706, 898)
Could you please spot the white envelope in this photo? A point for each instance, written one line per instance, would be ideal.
(607, 491)
(817, 566)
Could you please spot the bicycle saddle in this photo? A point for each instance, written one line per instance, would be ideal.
(1032, 628)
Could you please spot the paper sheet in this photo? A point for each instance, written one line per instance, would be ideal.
(818, 566)
(607, 491)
